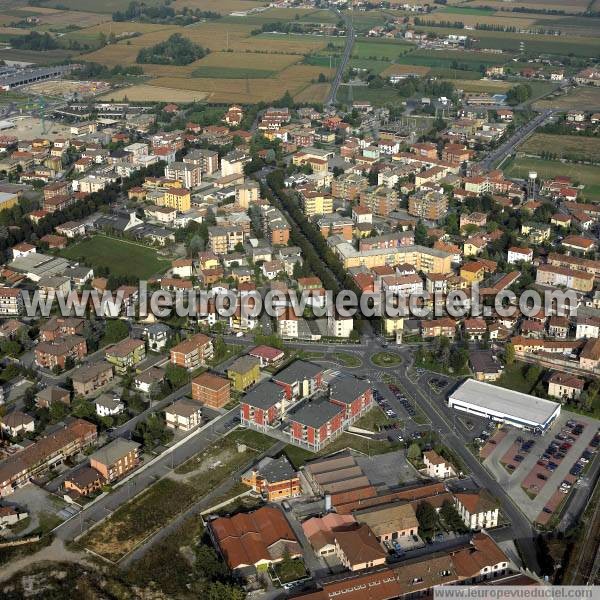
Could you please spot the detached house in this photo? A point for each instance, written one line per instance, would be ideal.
(478, 510)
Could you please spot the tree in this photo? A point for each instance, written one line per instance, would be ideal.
(421, 237)
(177, 376)
(115, 331)
(509, 354)
(58, 411)
(414, 452)
(427, 518)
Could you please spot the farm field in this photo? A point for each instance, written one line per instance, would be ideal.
(385, 49)
(576, 146)
(152, 93)
(448, 59)
(106, 6)
(220, 6)
(541, 44)
(482, 85)
(584, 98)
(546, 169)
(405, 69)
(121, 257)
(574, 6)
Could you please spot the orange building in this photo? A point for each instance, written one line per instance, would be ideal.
(276, 479)
(211, 390)
(115, 459)
(193, 352)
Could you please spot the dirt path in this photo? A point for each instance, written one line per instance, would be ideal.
(55, 552)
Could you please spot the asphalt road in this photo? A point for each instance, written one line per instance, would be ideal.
(497, 155)
(350, 36)
(146, 476)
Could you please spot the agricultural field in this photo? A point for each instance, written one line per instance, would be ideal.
(380, 50)
(106, 6)
(584, 98)
(482, 86)
(404, 70)
(573, 146)
(587, 175)
(574, 6)
(581, 46)
(152, 93)
(220, 6)
(120, 256)
(451, 58)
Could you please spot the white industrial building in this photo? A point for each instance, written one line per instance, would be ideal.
(504, 406)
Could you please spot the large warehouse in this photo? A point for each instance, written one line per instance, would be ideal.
(502, 405)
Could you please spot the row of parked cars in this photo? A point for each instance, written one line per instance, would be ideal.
(384, 405)
(407, 405)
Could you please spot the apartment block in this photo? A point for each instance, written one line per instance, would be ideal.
(116, 459)
(211, 390)
(429, 205)
(193, 352)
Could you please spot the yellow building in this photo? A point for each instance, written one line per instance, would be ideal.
(316, 203)
(244, 372)
(536, 232)
(8, 200)
(178, 198)
(472, 271)
(393, 325)
(428, 260)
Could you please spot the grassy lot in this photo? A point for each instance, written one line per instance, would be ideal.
(373, 420)
(299, 456)
(584, 98)
(106, 6)
(377, 97)
(573, 146)
(546, 169)
(386, 359)
(254, 440)
(164, 500)
(134, 521)
(121, 257)
(433, 58)
(513, 379)
(229, 351)
(290, 570)
(347, 359)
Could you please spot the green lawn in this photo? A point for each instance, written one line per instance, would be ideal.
(347, 359)
(386, 359)
(465, 10)
(512, 378)
(380, 49)
(299, 456)
(290, 570)
(373, 419)
(586, 174)
(119, 256)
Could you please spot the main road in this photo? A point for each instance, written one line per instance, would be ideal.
(350, 37)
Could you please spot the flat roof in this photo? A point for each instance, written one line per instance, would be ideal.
(516, 405)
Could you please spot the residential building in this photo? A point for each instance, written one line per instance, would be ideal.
(188, 174)
(429, 205)
(116, 459)
(478, 509)
(565, 386)
(267, 355)
(83, 482)
(183, 414)
(17, 423)
(86, 380)
(274, 478)
(50, 394)
(436, 466)
(358, 548)
(126, 354)
(50, 450)
(108, 406)
(11, 302)
(58, 327)
(193, 352)
(244, 372)
(211, 390)
(177, 198)
(569, 278)
(55, 354)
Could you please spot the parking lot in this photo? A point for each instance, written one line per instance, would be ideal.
(540, 471)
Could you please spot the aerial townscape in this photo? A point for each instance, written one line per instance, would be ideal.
(299, 298)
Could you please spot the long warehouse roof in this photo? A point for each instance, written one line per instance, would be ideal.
(513, 404)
